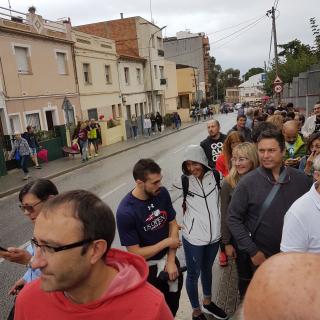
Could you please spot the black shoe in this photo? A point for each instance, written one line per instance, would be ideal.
(214, 310)
(199, 317)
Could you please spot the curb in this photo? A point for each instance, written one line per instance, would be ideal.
(100, 158)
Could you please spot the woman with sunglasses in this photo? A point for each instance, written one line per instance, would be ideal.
(244, 159)
(32, 197)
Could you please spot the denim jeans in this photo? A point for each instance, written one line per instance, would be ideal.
(199, 260)
(24, 163)
(84, 147)
(134, 131)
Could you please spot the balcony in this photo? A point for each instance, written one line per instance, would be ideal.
(163, 81)
(160, 53)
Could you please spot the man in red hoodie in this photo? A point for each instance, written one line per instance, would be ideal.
(82, 278)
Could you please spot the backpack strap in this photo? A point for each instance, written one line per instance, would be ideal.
(185, 189)
(217, 177)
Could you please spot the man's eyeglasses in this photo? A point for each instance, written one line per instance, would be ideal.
(28, 208)
(45, 249)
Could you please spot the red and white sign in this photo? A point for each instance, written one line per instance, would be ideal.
(277, 85)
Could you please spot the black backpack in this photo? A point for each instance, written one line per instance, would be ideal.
(185, 186)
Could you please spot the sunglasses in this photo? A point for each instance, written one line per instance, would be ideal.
(29, 208)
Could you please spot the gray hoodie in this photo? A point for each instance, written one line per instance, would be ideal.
(201, 220)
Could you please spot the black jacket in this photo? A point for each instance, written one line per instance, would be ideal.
(246, 202)
(212, 148)
(245, 132)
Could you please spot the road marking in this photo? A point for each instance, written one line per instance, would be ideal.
(113, 190)
(21, 247)
(180, 149)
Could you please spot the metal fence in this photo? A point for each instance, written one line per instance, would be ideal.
(304, 90)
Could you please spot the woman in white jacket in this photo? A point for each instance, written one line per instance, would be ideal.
(201, 230)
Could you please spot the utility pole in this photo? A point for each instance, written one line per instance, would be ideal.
(275, 39)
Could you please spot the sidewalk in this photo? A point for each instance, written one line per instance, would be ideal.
(13, 182)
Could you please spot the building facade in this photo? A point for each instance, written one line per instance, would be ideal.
(37, 72)
(97, 72)
(191, 49)
(232, 95)
(252, 89)
(138, 38)
(171, 89)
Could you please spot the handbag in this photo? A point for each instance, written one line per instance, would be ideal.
(267, 202)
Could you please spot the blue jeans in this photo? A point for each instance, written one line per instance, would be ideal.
(84, 148)
(199, 260)
(24, 163)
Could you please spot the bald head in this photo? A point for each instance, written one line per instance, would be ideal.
(290, 131)
(285, 287)
(213, 128)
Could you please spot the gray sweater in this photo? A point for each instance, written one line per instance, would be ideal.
(247, 200)
(225, 196)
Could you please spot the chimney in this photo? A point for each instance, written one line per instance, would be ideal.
(32, 9)
(121, 15)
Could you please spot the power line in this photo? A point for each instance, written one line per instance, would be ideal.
(240, 34)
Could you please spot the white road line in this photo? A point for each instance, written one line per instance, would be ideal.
(180, 149)
(21, 247)
(113, 190)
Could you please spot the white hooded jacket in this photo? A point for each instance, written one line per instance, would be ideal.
(201, 221)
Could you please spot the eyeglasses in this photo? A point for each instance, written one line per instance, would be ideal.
(45, 249)
(28, 207)
(239, 160)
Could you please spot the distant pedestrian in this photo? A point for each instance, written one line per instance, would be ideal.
(153, 123)
(32, 140)
(21, 153)
(159, 121)
(312, 124)
(177, 120)
(147, 126)
(313, 150)
(93, 137)
(83, 141)
(134, 126)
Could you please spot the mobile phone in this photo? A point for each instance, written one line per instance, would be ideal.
(3, 249)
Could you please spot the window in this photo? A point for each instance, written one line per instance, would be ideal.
(139, 75)
(114, 112)
(14, 123)
(33, 120)
(126, 75)
(128, 109)
(93, 114)
(155, 72)
(62, 63)
(107, 72)
(159, 43)
(23, 60)
(152, 41)
(86, 73)
(119, 110)
(161, 69)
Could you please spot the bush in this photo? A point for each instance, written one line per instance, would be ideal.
(167, 120)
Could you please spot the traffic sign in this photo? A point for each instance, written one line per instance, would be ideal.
(277, 80)
(278, 88)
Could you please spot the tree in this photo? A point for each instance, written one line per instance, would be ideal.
(316, 32)
(251, 72)
(294, 49)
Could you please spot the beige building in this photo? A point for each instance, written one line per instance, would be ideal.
(37, 71)
(171, 89)
(187, 88)
(232, 95)
(96, 65)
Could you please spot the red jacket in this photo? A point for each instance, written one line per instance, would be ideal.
(221, 165)
(129, 297)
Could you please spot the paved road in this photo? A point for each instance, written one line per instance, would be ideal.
(111, 179)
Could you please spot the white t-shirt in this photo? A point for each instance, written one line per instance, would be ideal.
(301, 229)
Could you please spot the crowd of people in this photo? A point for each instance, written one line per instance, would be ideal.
(250, 194)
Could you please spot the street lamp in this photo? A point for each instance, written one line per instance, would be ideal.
(150, 65)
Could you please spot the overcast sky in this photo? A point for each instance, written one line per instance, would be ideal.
(249, 49)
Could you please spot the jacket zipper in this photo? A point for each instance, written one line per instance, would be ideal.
(205, 199)
(191, 225)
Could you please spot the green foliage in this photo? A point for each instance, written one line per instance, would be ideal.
(111, 123)
(43, 135)
(251, 72)
(316, 32)
(167, 119)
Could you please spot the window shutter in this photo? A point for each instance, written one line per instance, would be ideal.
(22, 59)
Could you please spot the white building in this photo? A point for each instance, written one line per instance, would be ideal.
(252, 89)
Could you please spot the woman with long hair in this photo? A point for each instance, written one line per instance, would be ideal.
(223, 163)
(244, 159)
(313, 150)
(32, 197)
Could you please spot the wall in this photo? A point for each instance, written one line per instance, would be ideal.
(186, 80)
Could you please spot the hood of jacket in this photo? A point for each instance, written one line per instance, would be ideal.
(194, 153)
